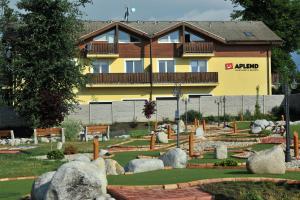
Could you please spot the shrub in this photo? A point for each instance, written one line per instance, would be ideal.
(191, 116)
(252, 196)
(212, 118)
(266, 132)
(55, 155)
(226, 162)
(70, 149)
(133, 123)
(72, 129)
(166, 120)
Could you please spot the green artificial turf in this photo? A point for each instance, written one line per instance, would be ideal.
(138, 143)
(138, 133)
(210, 158)
(249, 191)
(294, 128)
(243, 125)
(13, 190)
(260, 147)
(124, 157)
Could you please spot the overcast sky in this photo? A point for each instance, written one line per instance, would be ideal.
(210, 10)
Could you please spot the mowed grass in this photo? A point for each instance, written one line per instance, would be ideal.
(13, 190)
(124, 157)
(243, 125)
(185, 175)
(210, 158)
(138, 133)
(294, 128)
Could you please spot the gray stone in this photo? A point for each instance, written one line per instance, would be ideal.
(174, 127)
(82, 158)
(45, 140)
(221, 152)
(200, 132)
(59, 145)
(144, 165)
(16, 142)
(271, 123)
(3, 142)
(77, 180)
(113, 167)
(176, 158)
(41, 185)
(261, 123)
(162, 137)
(181, 126)
(256, 129)
(103, 152)
(100, 164)
(270, 161)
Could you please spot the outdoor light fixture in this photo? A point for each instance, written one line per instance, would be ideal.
(287, 90)
(177, 93)
(186, 100)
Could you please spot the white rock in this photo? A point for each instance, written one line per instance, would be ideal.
(113, 167)
(45, 140)
(174, 127)
(144, 165)
(103, 152)
(41, 185)
(221, 152)
(162, 137)
(3, 142)
(59, 145)
(176, 158)
(181, 126)
(270, 161)
(82, 158)
(77, 180)
(199, 132)
(271, 123)
(261, 123)
(100, 164)
(256, 129)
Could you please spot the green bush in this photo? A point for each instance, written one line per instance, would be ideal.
(191, 116)
(252, 196)
(166, 120)
(72, 129)
(266, 132)
(55, 155)
(133, 123)
(226, 162)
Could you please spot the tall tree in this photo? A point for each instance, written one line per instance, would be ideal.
(44, 63)
(282, 16)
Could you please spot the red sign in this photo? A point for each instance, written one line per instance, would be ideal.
(228, 66)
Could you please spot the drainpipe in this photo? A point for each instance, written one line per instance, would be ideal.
(151, 71)
(268, 69)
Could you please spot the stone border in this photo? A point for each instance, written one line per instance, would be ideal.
(203, 182)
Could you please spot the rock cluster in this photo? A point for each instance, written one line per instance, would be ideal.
(262, 124)
(16, 141)
(164, 127)
(79, 179)
(162, 137)
(221, 152)
(176, 158)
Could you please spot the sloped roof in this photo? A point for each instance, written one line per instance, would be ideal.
(226, 31)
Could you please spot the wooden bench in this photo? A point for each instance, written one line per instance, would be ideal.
(97, 130)
(8, 134)
(48, 132)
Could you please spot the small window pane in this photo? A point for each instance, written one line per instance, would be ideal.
(123, 37)
(138, 67)
(164, 39)
(129, 67)
(194, 65)
(134, 39)
(174, 37)
(170, 66)
(202, 66)
(104, 68)
(162, 66)
(106, 37)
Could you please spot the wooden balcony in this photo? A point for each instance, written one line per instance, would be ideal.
(157, 78)
(103, 50)
(198, 49)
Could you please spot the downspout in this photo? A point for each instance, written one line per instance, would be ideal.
(151, 71)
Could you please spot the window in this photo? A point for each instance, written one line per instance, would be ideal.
(106, 37)
(166, 66)
(170, 38)
(127, 38)
(199, 66)
(190, 37)
(134, 66)
(100, 66)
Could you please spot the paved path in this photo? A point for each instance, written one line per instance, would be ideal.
(192, 193)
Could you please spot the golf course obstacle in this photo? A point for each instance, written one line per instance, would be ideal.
(96, 147)
(296, 145)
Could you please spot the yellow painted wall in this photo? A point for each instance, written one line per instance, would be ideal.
(231, 82)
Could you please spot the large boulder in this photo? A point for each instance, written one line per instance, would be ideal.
(261, 123)
(100, 164)
(162, 137)
(113, 167)
(144, 165)
(221, 152)
(181, 126)
(176, 158)
(82, 158)
(77, 180)
(270, 161)
(256, 129)
(199, 132)
(41, 185)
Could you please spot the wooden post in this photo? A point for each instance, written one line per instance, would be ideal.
(234, 127)
(152, 141)
(195, 123)
(296, 145)
(169, 131)
(35, 139)
(191, 144)
(96, 147)
(155, 126)
(204, 125)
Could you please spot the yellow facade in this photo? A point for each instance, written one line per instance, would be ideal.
(231, 82)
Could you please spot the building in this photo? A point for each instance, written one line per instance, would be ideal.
(138, 60)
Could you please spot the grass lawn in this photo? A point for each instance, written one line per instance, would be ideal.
(210, 158)
(260, 147)
(138, 133)
(185, 175)
(12, 190)
(248, 190)
(295, 128)
(243, 125)
(138, 143)
(124, 157)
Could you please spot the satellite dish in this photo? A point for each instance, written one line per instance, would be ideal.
(132, 10)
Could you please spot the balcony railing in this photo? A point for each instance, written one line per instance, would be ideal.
(143, 78)
(198, 47)
(103, 48)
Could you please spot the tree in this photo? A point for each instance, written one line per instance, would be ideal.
(44, 64)
(282, 16)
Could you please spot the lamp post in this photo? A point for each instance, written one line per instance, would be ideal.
(287, 89)
(177, 93)
(224, 113)
(218, 102)
(186, 100)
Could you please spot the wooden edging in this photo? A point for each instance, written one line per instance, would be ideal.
(18, 178)
(202, 182)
